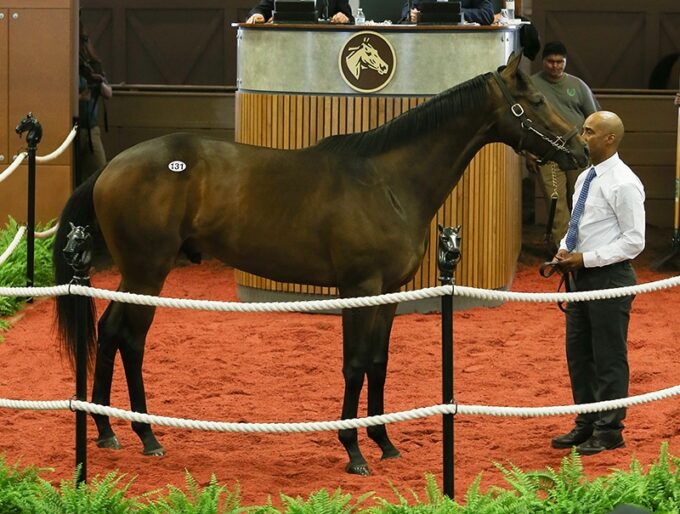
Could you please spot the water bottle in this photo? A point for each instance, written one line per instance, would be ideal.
(510, 6)
(360, 18)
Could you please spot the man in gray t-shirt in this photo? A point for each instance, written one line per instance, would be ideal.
(575, 101)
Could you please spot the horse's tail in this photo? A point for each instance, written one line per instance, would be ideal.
(79, 210)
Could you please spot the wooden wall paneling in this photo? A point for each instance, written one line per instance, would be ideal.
(37, 4)
(201, 31)
(296, 132)
(633, 36)
(35, 72)
(642, 111)
(5, 157)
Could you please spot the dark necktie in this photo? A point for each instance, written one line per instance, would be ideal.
(577, 211)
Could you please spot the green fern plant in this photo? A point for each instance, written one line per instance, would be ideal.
(13, 271)
(18, 488)
(321, 502)
(211, 499)
(101, 496)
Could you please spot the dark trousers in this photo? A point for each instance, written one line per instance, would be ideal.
(597, 353)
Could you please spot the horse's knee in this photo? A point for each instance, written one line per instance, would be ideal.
(348, 437)
(376, 432)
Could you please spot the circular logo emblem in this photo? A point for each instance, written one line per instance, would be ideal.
(177, 166)
(367, 62)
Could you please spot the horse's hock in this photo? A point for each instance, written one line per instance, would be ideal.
(297, 85)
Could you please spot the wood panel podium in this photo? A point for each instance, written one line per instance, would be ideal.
(300, 83)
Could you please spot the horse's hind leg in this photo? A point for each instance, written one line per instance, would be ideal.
(377, 373)
(123, 327)
(108, 330)
(139, 320)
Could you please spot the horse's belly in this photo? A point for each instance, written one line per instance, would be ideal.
(282, 263)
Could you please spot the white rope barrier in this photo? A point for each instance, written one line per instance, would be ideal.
(12, 246)
(15, 164)
(40, 158)
(34, 292)
(47, 233)
(342, 303)
(317, 426)
(21, 231)
(67, 142)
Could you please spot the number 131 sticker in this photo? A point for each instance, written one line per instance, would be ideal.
(177, 166)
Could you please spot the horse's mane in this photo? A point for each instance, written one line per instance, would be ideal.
(413, 123)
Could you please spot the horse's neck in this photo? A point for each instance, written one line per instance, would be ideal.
(425, 170)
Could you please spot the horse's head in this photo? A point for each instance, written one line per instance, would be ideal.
(527, 121)
(30, 124)
(368, 57)
(78, 250)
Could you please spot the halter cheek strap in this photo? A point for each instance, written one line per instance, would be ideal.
(557, 143)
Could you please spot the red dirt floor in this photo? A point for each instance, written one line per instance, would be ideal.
(287, 367)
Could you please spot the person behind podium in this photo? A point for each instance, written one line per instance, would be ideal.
(474, 11)
(339, 11)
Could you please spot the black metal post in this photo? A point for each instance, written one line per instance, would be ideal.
(30, 223)
(448, 255)
(78, 253)
(32, 126)
(76, 176)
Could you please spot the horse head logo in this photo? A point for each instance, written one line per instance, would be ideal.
(367, 61)
(364, 57)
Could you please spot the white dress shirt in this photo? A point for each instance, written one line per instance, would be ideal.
(612, 227)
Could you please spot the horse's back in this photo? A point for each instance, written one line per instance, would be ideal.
(292, 216)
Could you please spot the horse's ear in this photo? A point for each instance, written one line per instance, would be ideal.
(513, 62)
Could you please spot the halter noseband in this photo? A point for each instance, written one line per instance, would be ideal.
(558, 143)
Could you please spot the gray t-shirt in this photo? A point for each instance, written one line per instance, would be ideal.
(570, 96)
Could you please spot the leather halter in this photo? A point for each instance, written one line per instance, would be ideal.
(558, 143)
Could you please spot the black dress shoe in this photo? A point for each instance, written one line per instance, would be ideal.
(574, 438)
(601, 441)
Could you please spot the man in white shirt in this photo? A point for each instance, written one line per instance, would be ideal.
(606, 231)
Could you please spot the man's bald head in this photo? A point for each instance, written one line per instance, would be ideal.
(610, 123)
(603, 132)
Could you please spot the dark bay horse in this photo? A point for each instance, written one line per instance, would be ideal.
(352, 211)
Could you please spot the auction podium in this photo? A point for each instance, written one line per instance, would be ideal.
(300, 83)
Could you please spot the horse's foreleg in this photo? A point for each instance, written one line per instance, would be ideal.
(377, 373)
(356, 325)
(109, 335)
(132, 353)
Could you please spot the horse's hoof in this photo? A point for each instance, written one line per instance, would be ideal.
(155, 452)
(358, 469)
(391, 453)
(109, 442)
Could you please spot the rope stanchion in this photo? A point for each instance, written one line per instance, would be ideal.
(448, 255)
